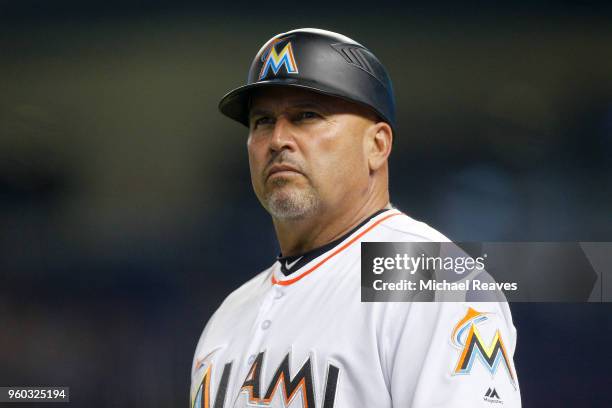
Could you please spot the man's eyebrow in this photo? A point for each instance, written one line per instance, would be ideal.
(309, 104)
(259, 112)
(305, 104)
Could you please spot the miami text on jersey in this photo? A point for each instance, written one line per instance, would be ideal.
(281, 386)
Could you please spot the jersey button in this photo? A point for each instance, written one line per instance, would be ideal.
(266, 324)
(251, 359)
(279, 294)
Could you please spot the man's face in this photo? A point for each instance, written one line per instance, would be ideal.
(306, 151)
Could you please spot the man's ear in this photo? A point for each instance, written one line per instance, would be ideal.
(380, 139)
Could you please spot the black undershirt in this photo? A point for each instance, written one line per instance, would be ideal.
(290, 264)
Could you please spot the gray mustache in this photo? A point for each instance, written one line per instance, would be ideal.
(281, 158)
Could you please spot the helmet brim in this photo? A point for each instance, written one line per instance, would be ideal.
(236, 103)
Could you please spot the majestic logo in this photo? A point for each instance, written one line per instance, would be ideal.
(492, 396)
(282, 386)
(466, 337)
(273, 60)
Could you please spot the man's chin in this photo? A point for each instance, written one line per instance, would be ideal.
(291, 204)
(285, 190)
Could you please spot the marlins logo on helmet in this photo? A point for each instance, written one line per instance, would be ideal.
(276, 60)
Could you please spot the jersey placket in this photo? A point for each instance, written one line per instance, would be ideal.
(260, 328)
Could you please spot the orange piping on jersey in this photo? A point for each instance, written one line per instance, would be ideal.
(336, 252)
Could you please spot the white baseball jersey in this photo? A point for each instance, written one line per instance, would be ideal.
(305, 339)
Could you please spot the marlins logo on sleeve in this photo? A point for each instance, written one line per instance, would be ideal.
(476, 350)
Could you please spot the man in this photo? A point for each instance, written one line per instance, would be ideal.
(321, 118)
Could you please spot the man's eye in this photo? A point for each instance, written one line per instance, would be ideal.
(264, 120)
(307, 115)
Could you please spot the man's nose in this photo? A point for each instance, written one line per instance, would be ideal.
(282, 135)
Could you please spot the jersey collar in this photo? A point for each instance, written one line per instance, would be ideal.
(292, 267)
(291, 264)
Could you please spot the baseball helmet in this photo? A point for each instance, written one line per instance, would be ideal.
(320, 61)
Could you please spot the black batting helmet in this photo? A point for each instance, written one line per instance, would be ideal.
(321, 61)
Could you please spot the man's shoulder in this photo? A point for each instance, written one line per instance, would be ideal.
(248, 291)
(237, 303)
(402, 227)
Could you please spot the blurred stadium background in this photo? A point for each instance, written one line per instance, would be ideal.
(126, 211)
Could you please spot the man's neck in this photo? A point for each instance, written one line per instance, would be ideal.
(299, 236)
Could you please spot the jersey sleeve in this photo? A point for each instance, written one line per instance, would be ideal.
(451, 355)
